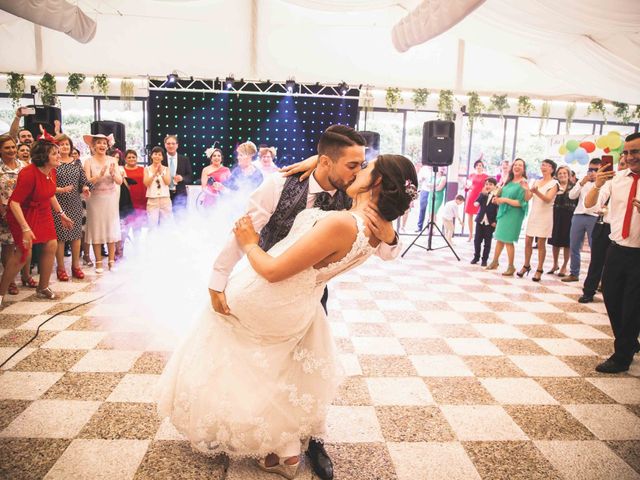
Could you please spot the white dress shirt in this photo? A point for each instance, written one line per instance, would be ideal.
(450, 210)
(262, 203)
(620, 187)
(580, 191)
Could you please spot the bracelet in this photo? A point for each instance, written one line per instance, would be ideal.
(26, 229)
(61, 212)
(255, 245)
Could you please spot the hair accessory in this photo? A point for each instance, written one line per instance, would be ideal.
(209, 151)
(411, 190)
(47, 138)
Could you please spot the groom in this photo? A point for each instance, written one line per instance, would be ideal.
(274, 206)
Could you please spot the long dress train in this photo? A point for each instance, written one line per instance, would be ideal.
(260, 380)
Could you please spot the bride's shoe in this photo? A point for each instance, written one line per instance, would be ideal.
(281, 468)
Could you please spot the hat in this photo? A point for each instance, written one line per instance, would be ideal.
(89, 139)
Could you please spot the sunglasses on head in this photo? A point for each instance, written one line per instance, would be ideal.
(158, 183)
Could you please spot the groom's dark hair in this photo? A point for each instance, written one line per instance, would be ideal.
(337, 137)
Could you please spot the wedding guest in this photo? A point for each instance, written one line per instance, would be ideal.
(599, 236)
(504, 172)
(266, 157)
(71, 185)
(24, 153)
(475, 184)
(75, 154)
(30, 217)
(582, 221)
(213, 176)
(485, 222)
(621, 275)
(540, 221)
(103, 218)
(513, 202)
(134, 179)
(20, 135)
(438, 196)
(180, 173)
(157, 179)
(10, 166)
(450, 214)
(563, 208)
(245, 176)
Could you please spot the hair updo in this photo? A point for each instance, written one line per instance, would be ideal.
(398, 185)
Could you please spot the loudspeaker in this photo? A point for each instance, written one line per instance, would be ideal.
(107, 127)
(437, 143)
(45, 116)
(373, 144)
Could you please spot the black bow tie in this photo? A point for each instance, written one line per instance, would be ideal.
(325, 201)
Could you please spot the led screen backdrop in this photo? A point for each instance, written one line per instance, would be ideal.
(292, 124)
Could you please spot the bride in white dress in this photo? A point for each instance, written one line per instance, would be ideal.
(258, 382)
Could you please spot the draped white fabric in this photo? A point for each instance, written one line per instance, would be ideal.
(569, 49)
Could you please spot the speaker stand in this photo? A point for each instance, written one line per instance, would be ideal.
(430, 226)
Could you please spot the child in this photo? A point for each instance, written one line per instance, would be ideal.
(485, 221)
(449, 215)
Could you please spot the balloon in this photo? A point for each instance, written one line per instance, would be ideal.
(614, 132)
(606, 150)
(572, 145)
(602, 142)
(562, 150)
(581, 156)
(588, 146)
(614, 141)
(569, 158)
(616, 156)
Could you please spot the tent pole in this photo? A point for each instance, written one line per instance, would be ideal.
(253, 48)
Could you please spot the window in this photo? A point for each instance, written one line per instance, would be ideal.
(390, 127)
(578, 128)
(413, 132)
(623, 130)
(131, 114)
(77, 115)
(532, 142)
(487, 143)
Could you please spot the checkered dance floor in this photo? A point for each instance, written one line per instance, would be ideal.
(454, 373)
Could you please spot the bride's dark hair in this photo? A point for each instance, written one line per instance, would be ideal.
(398, 186)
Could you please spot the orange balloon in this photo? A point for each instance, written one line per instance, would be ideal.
(588, 146)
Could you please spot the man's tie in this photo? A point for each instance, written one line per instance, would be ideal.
(172, 170)
(626, 225)
(324, 201)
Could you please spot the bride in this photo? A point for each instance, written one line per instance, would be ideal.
(258, 382)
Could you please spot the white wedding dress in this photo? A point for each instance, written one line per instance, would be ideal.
(261, 379)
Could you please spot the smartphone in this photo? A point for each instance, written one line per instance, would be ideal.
(28, 110)
(608, 161)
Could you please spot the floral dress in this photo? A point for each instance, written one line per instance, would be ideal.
(8, 179)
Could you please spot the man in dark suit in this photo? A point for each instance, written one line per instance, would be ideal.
(485, 221)
(180, 171)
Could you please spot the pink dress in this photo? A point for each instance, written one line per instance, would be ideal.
(477, 183)
(217, 176)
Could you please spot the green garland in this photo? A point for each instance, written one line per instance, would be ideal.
(545, 111)
(525, 107)
(393, 98)
(474, 108)
(15, 82)
(445, 105)
(622, 112)
(598, 106)
(499, 103)
(420, 96)
(74, 82)
(569, 113)
(47, 88)
(100, 84)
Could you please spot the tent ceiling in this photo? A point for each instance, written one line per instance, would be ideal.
(573, 49)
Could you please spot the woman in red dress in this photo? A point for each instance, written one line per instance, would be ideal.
(30, 216)
(213, 176)
(475, 183)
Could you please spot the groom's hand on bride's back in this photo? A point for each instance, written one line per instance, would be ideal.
(219, 302)
(381, 228)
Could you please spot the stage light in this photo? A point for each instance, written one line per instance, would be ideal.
(343, 88)
(228, 82)
(172, 78)
(290, 85)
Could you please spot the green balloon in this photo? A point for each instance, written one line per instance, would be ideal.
(615, 155)
(572, 145)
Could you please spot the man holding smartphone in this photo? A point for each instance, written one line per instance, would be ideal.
(21, 135)
(621, 275)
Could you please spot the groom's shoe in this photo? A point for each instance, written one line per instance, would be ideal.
(319, 459)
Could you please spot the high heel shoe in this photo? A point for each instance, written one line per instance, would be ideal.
(509, 271)
(61, 273)
(112, 265)
(492, 266)
(553, 270)
(13, 289)
(28, 281)
(524, 271)
(537, 276)
(281, 468)
(76, 272)
(45, 293)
